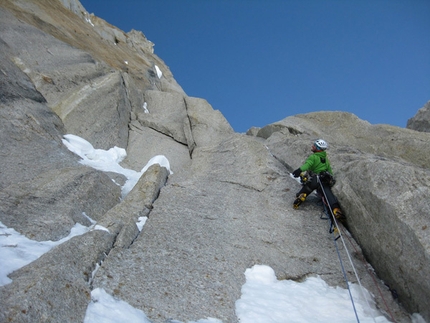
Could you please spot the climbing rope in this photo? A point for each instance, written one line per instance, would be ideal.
(334, 224)
(371, 273)
(341, 262)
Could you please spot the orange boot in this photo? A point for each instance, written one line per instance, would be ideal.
(337, 212)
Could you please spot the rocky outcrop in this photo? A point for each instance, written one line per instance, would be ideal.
(382, 184)
(56, 200)
(225, 208)
(421, 120)
(54, 288)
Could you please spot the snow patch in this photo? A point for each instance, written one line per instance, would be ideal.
(159, 73)
(108, 160)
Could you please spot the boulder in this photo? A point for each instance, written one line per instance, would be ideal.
(387, 208)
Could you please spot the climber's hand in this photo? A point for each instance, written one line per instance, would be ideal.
(297, 172)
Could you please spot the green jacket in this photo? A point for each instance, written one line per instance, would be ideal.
(317, 163)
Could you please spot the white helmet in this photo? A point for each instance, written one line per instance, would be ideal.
(321, 144)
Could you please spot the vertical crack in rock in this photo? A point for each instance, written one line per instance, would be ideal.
(189, 131)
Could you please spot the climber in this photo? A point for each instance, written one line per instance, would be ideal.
(318, 164)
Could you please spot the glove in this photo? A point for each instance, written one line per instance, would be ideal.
(297, 172)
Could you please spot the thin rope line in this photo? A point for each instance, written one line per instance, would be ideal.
(347, 251)
(344, 274)
(353, 267)
(338, 253)
(363, 260)
(333, 219)
(373, 278)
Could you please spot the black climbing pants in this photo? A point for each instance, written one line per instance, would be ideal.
(313, 184)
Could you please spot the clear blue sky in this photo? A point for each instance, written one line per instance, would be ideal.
(260, 61)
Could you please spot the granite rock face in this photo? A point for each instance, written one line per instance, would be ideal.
(227, 205)
(382, 185)
(421, 120)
